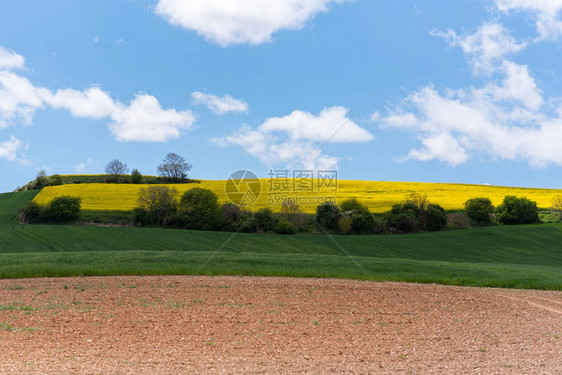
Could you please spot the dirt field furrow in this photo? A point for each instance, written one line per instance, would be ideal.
(233, 325)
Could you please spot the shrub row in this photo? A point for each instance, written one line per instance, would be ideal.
(60, 210)
(352, 217)
(198, 209)
(513, 210)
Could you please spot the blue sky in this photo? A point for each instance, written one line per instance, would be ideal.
(478, 102)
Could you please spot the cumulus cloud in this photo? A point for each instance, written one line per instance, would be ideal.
(9, 149)
(293, 140)
(10, 60)
(143, 119)
(90, 103)
(221, 105)
(81, 167)
(503, 120)
(229, 22)
(484, 48)
(546, 13)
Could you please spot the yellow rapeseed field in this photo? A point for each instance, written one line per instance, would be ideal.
(379, 196)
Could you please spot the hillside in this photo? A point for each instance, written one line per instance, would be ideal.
(516, 256)
(377, 195)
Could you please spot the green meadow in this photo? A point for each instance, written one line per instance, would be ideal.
(526, 256)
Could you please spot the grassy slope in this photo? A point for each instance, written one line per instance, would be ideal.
(10, 203)
(517, 256)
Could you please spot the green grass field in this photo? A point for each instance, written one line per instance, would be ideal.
(527, 256)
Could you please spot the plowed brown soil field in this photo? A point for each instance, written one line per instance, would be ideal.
(243, 325)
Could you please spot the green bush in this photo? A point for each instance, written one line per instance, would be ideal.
(264, 220)
(284, 226)
(63, 209)
(379, 226)
(362, 220)
(231, 215)
(136, 177)
(40, 181)
(200, 209)
(403, 218)
(32, 213)
(55, 180)
(304, 223)
(142, 216)
(514, 210)
(246, 223)
(479, 210)
(345, 225)
(327, 216)
(433, 218)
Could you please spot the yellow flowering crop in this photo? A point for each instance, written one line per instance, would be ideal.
(377, 195)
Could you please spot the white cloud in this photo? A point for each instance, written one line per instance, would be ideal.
(97, 39)
(518, 85)
(221, 105)
(143, 119)
(486, 47)
(293, 140)
(19, 99)
(81, 167)
(10, 148)
(506, 120)
(10, 60)
(326, 125)
(546, 12)
(228, 22)
(90, 103)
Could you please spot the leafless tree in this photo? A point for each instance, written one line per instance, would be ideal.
(116, 168)
(289, 206)
(174, 167)
(557, 205)
(160, 201)
(418, 199)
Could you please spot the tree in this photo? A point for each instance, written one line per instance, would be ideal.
(116, 169)
(516, 210)
(434, 217)
(479, 210)
(289, 206)
(174, 167)
(157, 204)
(62, 209)
(40, 181)
(404, 217)
(284, 226)
(136, 177)
(55, 180)
(419, 200)
(557, 205)
(351, 204)
(362, 221)
(231, 215)
(200, 209)
(327, 216)
(264, 219)
(31, 213)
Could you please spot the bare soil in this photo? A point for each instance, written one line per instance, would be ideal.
(233, 325)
